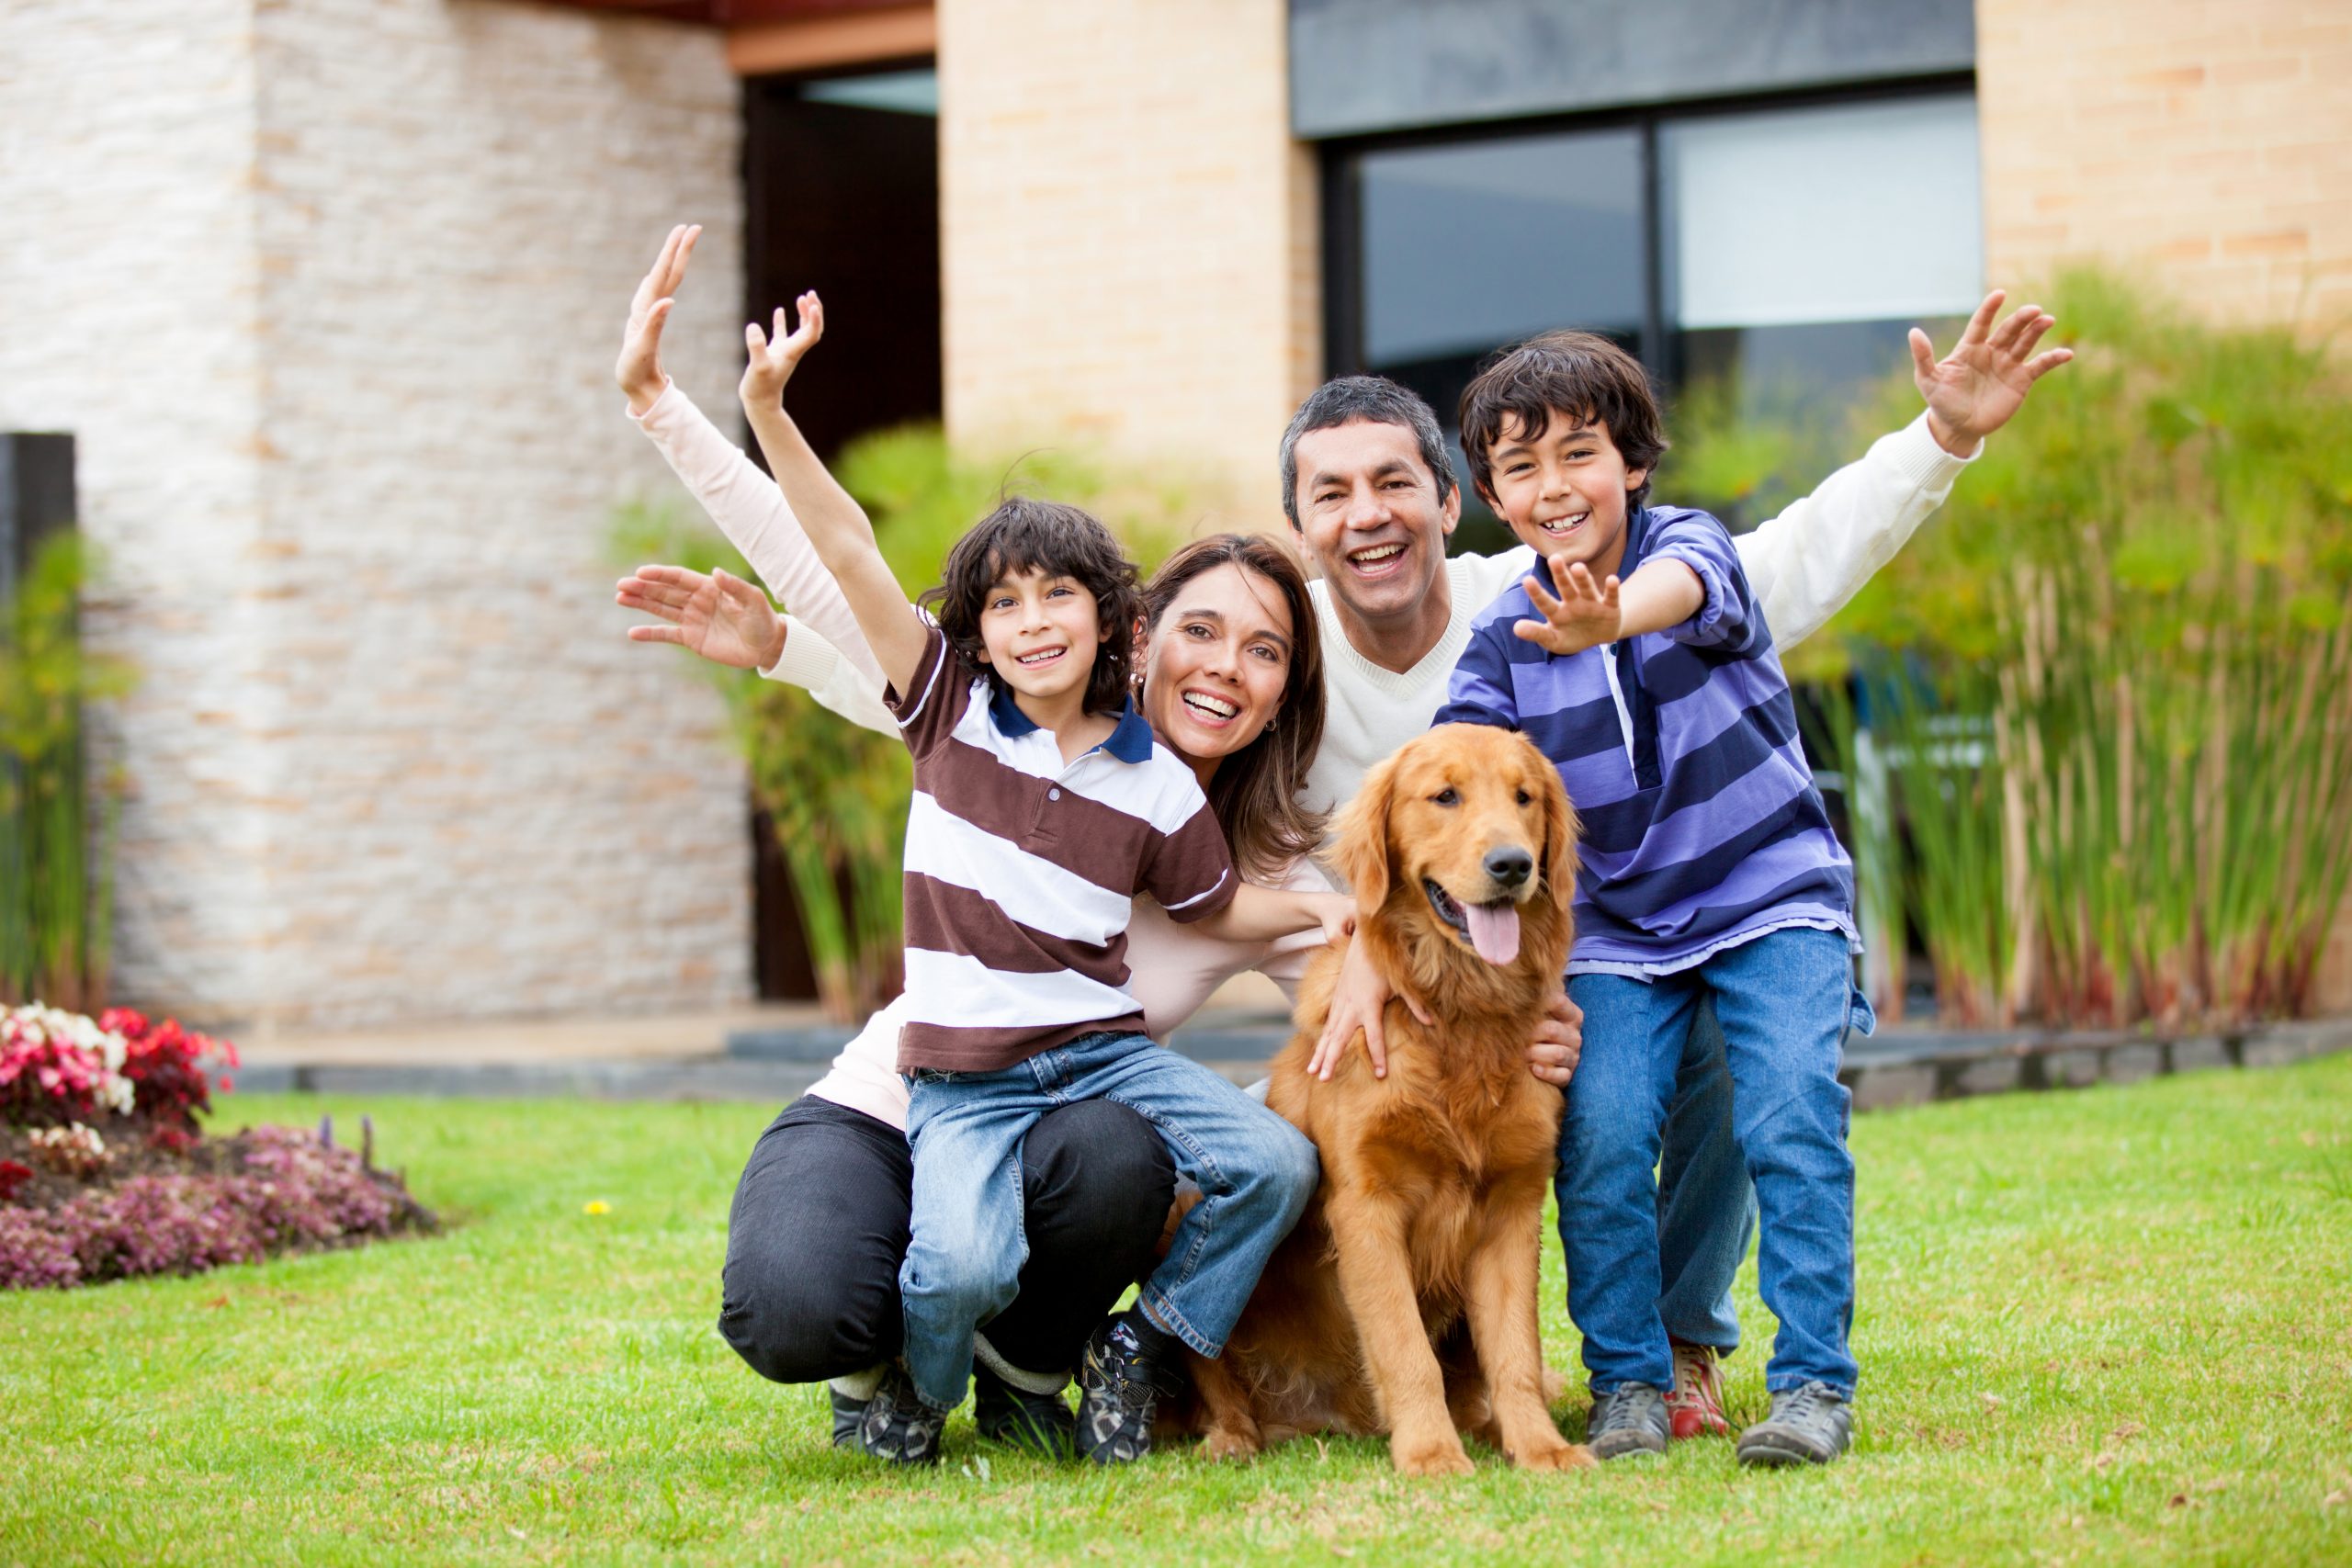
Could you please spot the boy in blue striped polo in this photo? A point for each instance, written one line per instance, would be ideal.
(1637, 659)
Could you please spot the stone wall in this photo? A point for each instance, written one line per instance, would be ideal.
(329, 290)
(2210, 145)
(1127, 231)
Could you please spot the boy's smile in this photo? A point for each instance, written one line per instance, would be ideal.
(1040, 634)
(1563, 489)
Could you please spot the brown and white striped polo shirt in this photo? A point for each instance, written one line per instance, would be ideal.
(1022, 870)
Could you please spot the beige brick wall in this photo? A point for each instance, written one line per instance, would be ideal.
(2209, 144)
(1127, 231)
(330, 291)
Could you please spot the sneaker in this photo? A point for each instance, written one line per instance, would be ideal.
(1040, 1424)
(1127, 1366)
(897, 1426)
(1811, 1424)
(1694, 1407)
(849, 1417)
(1628, 1419)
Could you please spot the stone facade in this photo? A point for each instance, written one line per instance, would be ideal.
(329, 291)
(1127, 229)
(2208, 145)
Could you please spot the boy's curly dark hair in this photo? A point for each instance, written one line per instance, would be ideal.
(1580, 375)
(1027, 535)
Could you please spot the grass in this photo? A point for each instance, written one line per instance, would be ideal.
(2103, 1327)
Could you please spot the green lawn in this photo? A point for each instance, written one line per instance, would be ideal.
(2107, 1326)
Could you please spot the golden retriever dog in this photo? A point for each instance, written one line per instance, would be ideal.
(1462, 850)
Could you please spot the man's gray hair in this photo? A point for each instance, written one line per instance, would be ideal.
(1376, 400)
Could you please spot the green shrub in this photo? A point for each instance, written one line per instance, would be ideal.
(2111, 683)
(56, 881)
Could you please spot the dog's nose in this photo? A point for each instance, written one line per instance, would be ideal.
(1509, 867)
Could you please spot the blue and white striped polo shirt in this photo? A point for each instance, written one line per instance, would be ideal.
(1701, 826)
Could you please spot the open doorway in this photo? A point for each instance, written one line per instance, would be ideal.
(841, 194)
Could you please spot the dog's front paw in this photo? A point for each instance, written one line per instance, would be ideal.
(1439, 1454)
(1558, 1454)
(1227, 1442)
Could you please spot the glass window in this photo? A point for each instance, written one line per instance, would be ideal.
(1795, 249)
(1800, 244)
(1470, 246)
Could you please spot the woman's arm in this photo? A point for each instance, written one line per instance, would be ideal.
(745, 504)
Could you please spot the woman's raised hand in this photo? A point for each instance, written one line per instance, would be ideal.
(639, 368)
(720, 616)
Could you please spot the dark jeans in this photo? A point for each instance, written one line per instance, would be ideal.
(818, 1230)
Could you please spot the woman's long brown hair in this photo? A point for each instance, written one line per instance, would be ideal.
(1254, 791)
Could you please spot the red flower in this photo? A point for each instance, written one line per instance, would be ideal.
(13, 1177)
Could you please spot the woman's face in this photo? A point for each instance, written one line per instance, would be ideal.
(1217, 662)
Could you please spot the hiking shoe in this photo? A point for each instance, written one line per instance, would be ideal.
(1694, 1406)
(1040, 1424)
(1127, 1367)
(1810, 1425)
(897, 1426)
(1628, 1419)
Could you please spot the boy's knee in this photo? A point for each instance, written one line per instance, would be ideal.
(1293, 1169)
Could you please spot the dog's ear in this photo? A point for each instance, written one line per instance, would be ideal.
(1561, 832)
(1360, 849)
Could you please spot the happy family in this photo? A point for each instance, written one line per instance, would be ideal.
(1530, 840)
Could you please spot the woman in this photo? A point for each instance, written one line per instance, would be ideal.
(1232, 682)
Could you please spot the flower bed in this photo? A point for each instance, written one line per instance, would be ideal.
(105, 1172)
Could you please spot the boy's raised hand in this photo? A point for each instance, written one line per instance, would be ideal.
(1982, 383)
(720, 616)
(1585, 614)
(773, 360)
(639, 368)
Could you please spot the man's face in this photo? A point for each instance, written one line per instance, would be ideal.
(1564, 490)
(1370, 514)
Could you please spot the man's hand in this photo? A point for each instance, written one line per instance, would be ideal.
(1359, 999)
(1982, 383)
(1559, 1042)
(722, 617)
(773, 361)
(639, 370)
(1586, 615)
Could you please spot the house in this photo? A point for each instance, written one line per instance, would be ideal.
(328, 291)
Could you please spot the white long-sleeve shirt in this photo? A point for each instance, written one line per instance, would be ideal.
(1803, 566)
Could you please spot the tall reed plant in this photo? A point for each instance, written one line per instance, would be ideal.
(56, 823)
(2113, 680)
(837, 794)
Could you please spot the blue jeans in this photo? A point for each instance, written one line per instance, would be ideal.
(1784, 1001)
(1706, 1206)
(1255, 1172)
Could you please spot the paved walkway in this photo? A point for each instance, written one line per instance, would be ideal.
(771, 1054)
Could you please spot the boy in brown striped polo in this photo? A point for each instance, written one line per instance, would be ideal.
(1042, 805)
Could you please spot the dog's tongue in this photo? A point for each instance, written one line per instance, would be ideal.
(1494, 931)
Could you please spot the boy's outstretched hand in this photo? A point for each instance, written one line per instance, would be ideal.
(639, 369)
(773, 361)
(1982, 383)
(722, 617)
(1585, 614)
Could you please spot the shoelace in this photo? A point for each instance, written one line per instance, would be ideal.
(1804, 1404)
(1616, 1410)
